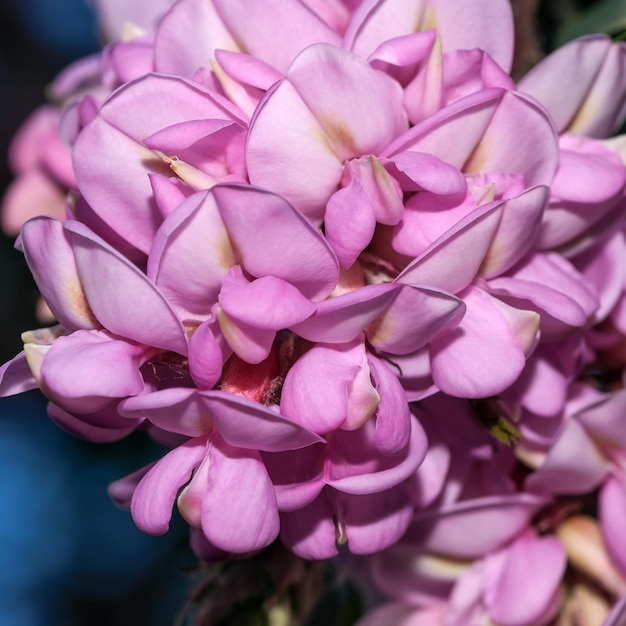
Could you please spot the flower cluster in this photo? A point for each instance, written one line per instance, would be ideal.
(365, 288)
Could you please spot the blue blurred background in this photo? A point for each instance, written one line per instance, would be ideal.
(68, 556)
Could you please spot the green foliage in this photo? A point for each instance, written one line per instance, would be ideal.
(574, 18)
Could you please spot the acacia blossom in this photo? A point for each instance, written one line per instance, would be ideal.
(366, 290)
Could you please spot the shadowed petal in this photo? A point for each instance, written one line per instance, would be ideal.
(310, 531)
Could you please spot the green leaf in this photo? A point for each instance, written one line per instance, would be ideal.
(606, 16)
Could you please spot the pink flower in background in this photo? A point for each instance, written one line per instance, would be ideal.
(367, 290)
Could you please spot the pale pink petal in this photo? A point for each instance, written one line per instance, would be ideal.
(574, 464)
(521, 120)
(329, 387)
(469, 239)
(577, 65)
(239, 512)
(481, 357)
(204, 33)
(138, 311)
(349, 205)
(83, 371)
(522, 581)
(247, 424)
(428, 216)
(415, 316)
(517, 231)
(275, 33)
(310, 531)
(16, 377)
(374, 521)
(153, 499)
(50, 257)
(267, 302)
(452, 133)
(259, 223)
(31, 194)
(111, 186)
(485, 25)
(470, 529)
(288, 152)
(393, 420)
(343, 318)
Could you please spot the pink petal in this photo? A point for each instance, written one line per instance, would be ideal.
(208, 351)
(469, 239)
(111, 186)
(329, 387)
(374, 521)
(50, 257)
(250, 343)
(470, 529)
(153, 499)
(100, 427)
(83, 371)
(310, 531)
(259, 223)
(248, 424)
(297, 475)
(137, 311)
(239, 512)
(393, 420)
(190, 256)
(16, 377)
(426, 172)
(481, 357)
(611, 509)
(267, 302)
(415, 316)
(521, 582)
(343, 318)
(574, 464)
(551, 284)
(358, 468)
